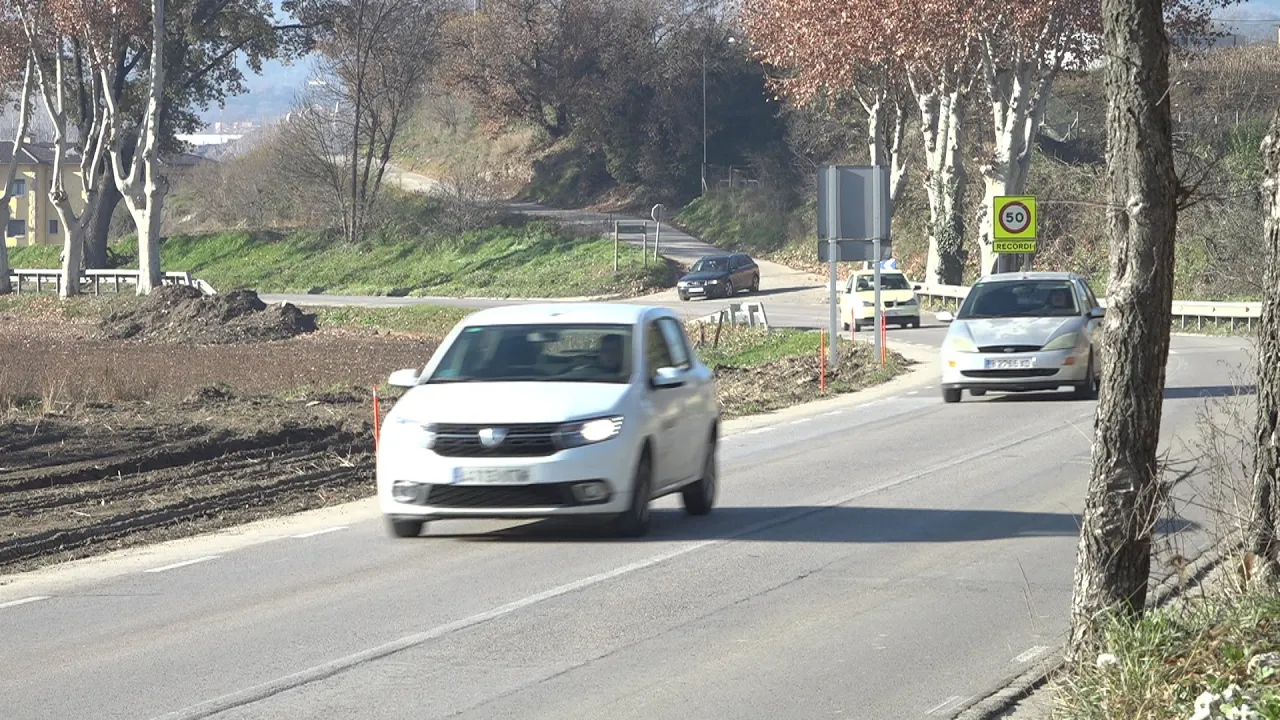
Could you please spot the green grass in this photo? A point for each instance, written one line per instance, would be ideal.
(45, 257)
(534, 259)
(748, 221)
(432, 320)
(747, 347)
(1165, 660)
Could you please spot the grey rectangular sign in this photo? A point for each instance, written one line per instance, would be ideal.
(854, 250)
(859, 196)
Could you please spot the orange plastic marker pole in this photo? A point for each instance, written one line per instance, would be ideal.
(822, 361)
(377, 417)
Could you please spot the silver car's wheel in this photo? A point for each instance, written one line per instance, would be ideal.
(635, 521)
(950, 395)
(405, 528)
(701, 495)
(1088, 390)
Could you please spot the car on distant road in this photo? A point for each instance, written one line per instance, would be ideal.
(546, 410)
(720, 276)
(1024, 332)
(898, 300)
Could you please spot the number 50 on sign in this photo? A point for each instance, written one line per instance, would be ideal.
(1014, 221)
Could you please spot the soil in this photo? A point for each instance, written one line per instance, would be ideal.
(182, 314)
(106, 443)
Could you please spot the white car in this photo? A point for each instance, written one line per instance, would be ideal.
(558, 409)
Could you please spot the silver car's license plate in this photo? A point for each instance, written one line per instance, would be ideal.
(490, 476)
(1007, 363)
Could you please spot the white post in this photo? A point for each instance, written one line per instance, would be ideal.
(833, 259)
(657, 235)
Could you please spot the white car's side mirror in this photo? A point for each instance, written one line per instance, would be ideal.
(404, 378)
(945, 316)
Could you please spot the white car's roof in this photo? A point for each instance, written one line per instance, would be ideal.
(563, 312)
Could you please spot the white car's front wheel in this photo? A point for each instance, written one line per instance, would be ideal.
(405, 528)
(634, 522)
(701, 495)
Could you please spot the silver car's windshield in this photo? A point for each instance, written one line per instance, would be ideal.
(1022, 298)
(530, 353)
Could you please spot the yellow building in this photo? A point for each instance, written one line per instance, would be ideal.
(32, 219)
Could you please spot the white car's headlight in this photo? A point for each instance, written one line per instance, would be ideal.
(959, 343)
(589, 432)
(1065, 341)
(413, 432)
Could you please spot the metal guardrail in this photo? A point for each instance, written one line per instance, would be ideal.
(24, 279)
(1184, 311)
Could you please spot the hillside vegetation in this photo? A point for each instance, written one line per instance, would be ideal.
(512, 259)
(764, 204)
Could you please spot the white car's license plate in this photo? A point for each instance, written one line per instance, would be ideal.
(490, 476)
(1008, 363)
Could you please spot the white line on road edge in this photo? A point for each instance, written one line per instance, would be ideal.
(316, 673)
(184, 563)
(953, 700)
(1031, 653)
(23, 601)
(314, 533)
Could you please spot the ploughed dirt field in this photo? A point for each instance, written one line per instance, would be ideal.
(110, 442)
(176, 414)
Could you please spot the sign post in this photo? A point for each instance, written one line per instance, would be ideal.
(1014, 227)
(833, 259)
(656, 214)
(854, 211)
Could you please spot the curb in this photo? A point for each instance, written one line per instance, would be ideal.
(999, 700)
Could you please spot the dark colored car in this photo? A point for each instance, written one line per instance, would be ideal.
(720, 276)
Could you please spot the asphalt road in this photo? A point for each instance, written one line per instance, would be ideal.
(888, 556)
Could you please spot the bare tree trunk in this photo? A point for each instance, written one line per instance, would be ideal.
(1114, 561)
(886, 125)
(143, 187)
(99, 233)
(944, 183)
(1261, 532)
(6, 192)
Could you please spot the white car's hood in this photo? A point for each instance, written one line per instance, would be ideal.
(1016, 331)
(509, 402)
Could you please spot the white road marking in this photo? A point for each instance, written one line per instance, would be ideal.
(1030, 653)
(184, 563)
(914, 392)
(953, 700)
(314, 533)
(833, 412)
(801, 420)
(23, 601)
(316, 673)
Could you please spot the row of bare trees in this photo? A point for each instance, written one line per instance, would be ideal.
(935, 59)
(118, 80)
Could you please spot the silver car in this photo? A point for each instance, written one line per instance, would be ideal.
(1024, 332)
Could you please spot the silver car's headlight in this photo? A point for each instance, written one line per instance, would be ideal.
(1066, 341)
(911, 301)
(959, 343)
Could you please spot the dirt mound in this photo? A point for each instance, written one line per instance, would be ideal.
(794, 380)
(181, 314)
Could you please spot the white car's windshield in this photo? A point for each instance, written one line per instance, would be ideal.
(888, 281)
(550, 353)
(1026, 298)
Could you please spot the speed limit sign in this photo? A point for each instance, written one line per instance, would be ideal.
(1014, 219)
